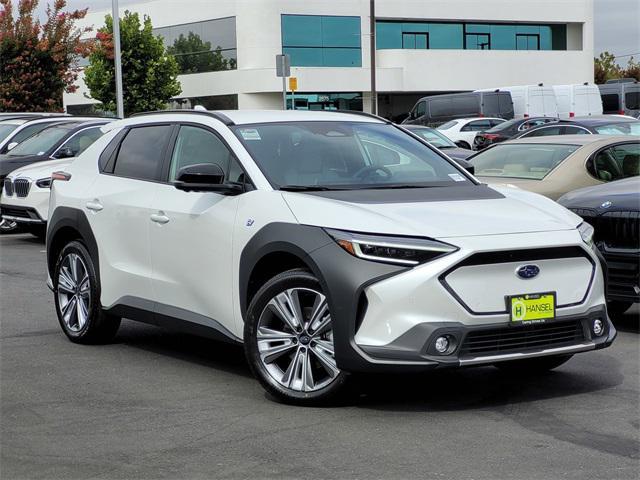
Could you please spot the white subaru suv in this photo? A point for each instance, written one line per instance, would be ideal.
(327, 243)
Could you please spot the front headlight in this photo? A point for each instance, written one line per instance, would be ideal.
(387, 249)
(586, 232)
(44, 182)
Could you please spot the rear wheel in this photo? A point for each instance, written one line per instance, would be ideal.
(533, 365)
(77, 298)
(289, 340)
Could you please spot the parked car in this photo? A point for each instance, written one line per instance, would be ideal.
(600, 125)
(25, 195)
(613, 209)
(622, 98)
(553, 166)
(19, 129)
(531, 100)
(442, 142)
(438, 109)
(294, 234)
(506, 130)
(59, 140)
(464, 130)
(578, 100)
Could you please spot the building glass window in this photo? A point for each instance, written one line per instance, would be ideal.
(322, 41)
(207, 46)
(325, 101)
(475, 36)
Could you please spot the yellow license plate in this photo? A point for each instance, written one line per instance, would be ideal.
(532, 308)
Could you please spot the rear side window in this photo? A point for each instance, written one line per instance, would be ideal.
(614, 163)
(476, 126)
(142, 152)
(611, 103)
(632, 100)
(466, 105)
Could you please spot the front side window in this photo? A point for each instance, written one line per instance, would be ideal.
(617, 162)
(344, 155)
(39, 143)
(141, 152)
(526, 161)
(421, 109)
(625, 128)
(196, 145)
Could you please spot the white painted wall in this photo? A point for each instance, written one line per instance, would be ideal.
(259, 40)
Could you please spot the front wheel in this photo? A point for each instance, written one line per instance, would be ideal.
(289, 340)
(533, 365)
(77, 298)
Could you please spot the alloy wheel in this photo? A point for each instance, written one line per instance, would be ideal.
(7, 225)
(295, 340)
(74, 292)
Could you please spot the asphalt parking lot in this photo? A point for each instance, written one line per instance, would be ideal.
(156, 404)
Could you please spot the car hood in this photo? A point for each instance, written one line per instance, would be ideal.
(619, 195)
(41, 169)
(442, 212)
(8, 163)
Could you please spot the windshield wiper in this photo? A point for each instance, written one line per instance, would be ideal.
(305, 188)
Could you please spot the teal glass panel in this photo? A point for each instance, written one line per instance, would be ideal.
(301, 31)
(503, 37)
(341, 32)
(415, 27)
(446, 36)
(422, 40)
(388, 35)
(408, 40)
(304, 57)
(545, 37)
(341, 57)
(478, 28)
(528, 29)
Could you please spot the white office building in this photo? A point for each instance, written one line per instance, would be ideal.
(226, 49)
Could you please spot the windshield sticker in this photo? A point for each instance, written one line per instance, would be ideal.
(250, 134)
(456, 177)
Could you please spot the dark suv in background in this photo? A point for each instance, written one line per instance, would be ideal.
(438, 109)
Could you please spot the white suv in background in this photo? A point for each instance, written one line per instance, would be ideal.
(327, 243)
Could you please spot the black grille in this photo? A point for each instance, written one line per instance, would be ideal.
(16, 212)
(623, 275)
(617, 229)
(8, 187)
(521, 338)
(21, 187)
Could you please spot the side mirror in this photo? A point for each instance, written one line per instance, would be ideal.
(205, 177)
(11, 146)
(64, 152)
(461, 144)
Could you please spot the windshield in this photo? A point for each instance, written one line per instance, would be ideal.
(503, 126)
(527, 161)
(344, 155)
(39, 143)
(6, 129)
(447, 125)
(625, 128)
(434, 137)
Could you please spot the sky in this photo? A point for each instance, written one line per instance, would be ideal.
(617, 23)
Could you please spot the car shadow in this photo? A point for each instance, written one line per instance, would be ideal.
(629, 321)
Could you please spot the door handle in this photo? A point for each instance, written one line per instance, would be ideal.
(94, 206)
(159, 218)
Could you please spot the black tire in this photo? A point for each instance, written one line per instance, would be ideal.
(39, 231)
(292, 279)
(533, 365)
(617, 308)
(99, 327)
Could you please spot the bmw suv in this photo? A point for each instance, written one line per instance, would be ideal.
(327, 243)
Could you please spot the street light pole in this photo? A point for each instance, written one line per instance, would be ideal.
(372, 39)
(117, 57)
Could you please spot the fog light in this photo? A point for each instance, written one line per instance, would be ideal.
(598, 327)
(442, 344)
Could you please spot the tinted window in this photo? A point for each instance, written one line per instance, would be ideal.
(466, 105)
(574, 131)
(40, 143)
(440, 107)
(82, 140)
(614, 163)
(344, 155)
(632, 100)
(421, 109)
(141, 152)
(476, 126)
(491, 104)
(196, 145)
(610, 102)
(528, 161)
(542, 132)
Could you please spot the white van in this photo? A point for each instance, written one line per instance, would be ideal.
(578, 100)
(531, 100)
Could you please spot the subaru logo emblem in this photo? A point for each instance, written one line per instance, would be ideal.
(527, 271)
(606, 204)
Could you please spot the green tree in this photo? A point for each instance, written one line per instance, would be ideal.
(149, 75)
(632, 70)
(38, 61)
(606, 68)
(195, 55)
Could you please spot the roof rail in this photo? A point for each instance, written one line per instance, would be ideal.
(358, 112)
(217, 115)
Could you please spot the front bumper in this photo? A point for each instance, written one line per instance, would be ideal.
(21, 214)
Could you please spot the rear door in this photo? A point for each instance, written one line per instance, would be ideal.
(118, 206)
